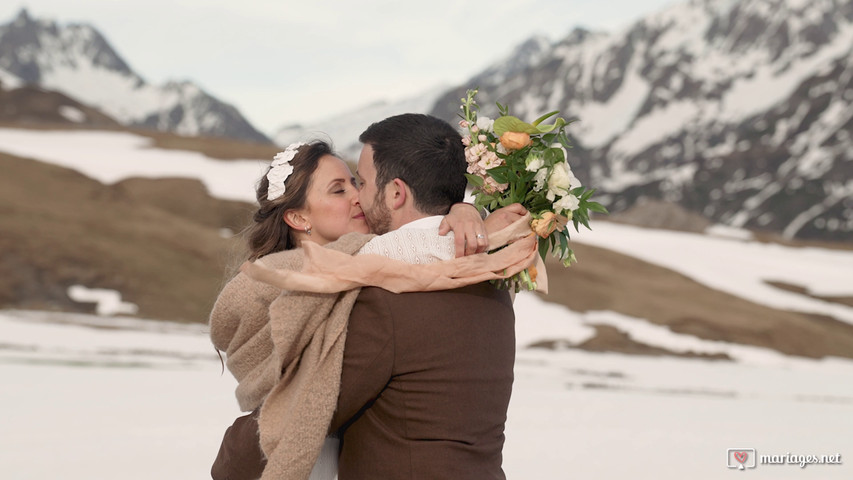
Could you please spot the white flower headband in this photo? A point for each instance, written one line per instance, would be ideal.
(280, 169)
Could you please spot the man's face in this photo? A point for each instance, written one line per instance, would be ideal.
(372, 201)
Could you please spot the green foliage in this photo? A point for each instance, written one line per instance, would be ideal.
(537, 176)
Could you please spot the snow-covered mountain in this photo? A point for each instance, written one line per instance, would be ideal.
(739, 110)
(78, 61)
(343, 130)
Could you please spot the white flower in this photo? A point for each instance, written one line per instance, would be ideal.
(485, 124)
(539, 179)
(501, 149)
(569, 202)
(280, 169)
(534, 162)
(560, 181)
(573, 180)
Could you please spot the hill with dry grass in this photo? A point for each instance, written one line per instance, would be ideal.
(158, 242)
(31, 105)
(607, 280)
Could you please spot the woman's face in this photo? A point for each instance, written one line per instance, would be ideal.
(332, 207)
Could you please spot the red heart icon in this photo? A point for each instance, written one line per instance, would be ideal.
(741, 456)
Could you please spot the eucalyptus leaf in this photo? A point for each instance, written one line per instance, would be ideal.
(508, 123)
(547, 128)
(545, 117)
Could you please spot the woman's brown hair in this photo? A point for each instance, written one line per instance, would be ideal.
(269, 233)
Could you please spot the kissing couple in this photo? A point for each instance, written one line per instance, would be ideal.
(365, 338)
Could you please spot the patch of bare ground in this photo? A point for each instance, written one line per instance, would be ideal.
(770, 237)
(610, 339)
(213, 147)
(804, 291)
(32, 106)
(607, 280)
(157, 242)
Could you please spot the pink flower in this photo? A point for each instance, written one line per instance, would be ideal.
(489, 160)
(474, 152)
(491, 186)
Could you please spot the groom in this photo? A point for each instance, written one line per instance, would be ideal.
(426, 376)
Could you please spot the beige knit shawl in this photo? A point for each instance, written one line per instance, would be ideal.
(289, 366)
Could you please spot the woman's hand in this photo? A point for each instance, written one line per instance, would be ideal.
(471, 232)
(504, 217)
(468, 228)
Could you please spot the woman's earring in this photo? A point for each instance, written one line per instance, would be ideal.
(308, 229)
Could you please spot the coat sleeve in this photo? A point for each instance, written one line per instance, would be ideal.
(240, 456)
(368, 356)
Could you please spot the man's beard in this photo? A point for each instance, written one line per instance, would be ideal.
(378, 217)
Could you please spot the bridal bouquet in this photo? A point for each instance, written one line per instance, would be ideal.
(512, 161)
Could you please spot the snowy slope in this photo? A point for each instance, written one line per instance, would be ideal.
(93, 395)
(94, 154)
(78, 61)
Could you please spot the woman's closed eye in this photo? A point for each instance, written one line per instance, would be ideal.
(338, 187)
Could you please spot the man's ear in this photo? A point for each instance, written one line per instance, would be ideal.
(399, 193)
(296, 220)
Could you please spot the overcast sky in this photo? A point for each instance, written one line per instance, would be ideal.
(282, 62)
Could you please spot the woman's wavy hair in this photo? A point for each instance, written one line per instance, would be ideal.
(269, 233)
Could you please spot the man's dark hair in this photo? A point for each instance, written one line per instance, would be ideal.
(423, 151)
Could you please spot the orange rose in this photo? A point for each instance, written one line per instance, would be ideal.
(515, 140)
(549, 222)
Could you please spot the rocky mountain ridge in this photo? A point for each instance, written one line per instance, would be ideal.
(739, 110)
(78, 61)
